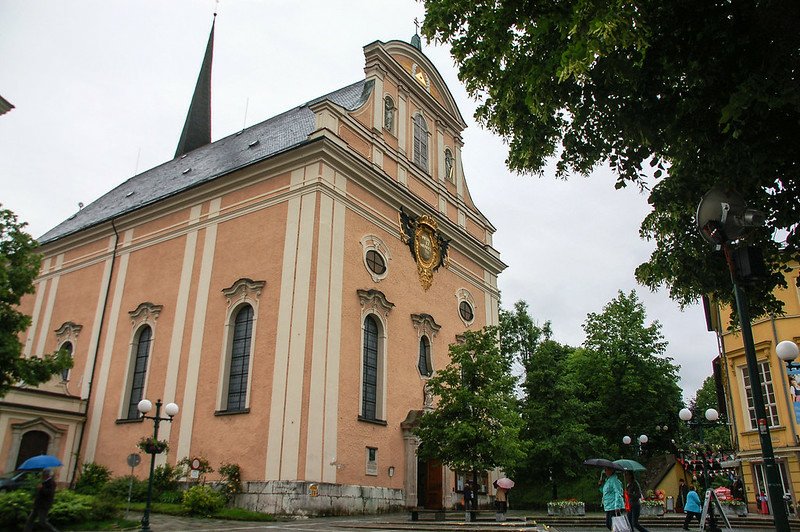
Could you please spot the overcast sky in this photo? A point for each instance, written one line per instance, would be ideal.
(101, 90)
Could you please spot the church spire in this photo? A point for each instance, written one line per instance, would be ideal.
(197, 129)
(416, 42)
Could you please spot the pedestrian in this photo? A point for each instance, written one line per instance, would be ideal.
(683, 491)
(737, 490)
(500, 502)
(692, 507)
(634, 492)
(469, 496)
(45, 493)
(613, 497)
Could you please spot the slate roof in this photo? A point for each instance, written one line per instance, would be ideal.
(212, 161)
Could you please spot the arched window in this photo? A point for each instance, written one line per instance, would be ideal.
(139, 370)
(424, 364)
(66, 346)
(420, 142)
(240, 359)
(369, 392)
(388, 113)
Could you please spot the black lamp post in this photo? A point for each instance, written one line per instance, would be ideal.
(171, 409)
(722, 218)
(712, 416)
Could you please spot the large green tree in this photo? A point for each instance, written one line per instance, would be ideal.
(19, 266)
(555, 431)
(689, 93)
(629, 385)
(717, 435)
(475, 425)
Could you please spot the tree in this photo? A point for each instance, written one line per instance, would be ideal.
(475, 425)
(555, 433)
(718, 436)
(19, 266)
(687, 93)
(630, 386)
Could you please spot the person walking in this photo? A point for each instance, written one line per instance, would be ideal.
(692, 507)
(683, 491)
(634, 492)
(45, 494)
(500, 502)
(613, 498)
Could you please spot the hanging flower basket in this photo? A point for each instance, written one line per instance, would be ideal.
(152, 446)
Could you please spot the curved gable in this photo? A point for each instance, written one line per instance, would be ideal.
(406, 61)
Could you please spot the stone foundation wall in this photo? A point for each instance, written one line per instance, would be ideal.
(282, 497)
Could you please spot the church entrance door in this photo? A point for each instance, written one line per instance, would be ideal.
(429, 484)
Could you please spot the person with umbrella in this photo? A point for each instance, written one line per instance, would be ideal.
(45, 494)
(634, 492)
(502, 486)
(613, 499)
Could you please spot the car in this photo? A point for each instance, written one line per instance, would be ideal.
(18, 479)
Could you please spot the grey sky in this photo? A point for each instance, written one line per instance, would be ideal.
(101, 90)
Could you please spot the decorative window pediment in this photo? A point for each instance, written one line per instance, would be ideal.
(68, 332)
(145, 313)
(374, 301)
(243, 290)
(425, 325)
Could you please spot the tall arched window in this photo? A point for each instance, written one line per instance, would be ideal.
(66, 346)
(369, 392)
(139, 370)
(420, 141)
(424, 364)
(240, 359)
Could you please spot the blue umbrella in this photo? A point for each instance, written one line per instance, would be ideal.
(40, 462)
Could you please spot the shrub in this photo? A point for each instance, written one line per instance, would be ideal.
(14, 509)
(119, 487)
(170, 497)
(104, 509)
(231, 480)
(202, 501)
(70, 507)
(166, 477)
(93, 477)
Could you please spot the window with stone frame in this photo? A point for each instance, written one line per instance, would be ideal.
(240, 359)
(138, 373)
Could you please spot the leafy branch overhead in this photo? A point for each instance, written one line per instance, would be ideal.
(682, 94)
(19, 266)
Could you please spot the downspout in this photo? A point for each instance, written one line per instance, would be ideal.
(96, 353)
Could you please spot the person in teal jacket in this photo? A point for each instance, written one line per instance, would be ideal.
(692, 507)
(613, 500)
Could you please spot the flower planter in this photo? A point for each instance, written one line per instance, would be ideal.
(653, 510)
(572, 509)
(735, 511)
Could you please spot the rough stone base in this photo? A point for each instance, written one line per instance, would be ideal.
(282, 497)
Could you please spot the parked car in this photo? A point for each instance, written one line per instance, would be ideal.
(18, 479)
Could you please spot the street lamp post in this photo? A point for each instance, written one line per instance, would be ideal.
(171, 409)
(641, 441)
(712, 416)
(722, 218)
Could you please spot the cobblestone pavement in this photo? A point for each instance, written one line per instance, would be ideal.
(399, 521)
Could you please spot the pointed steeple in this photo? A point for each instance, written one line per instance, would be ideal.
(197, 129)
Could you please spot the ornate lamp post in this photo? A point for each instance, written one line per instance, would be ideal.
(788, 351)
(712, 416)
(171, 409)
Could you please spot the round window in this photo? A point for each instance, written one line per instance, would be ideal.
(465, 309)
(376, 262)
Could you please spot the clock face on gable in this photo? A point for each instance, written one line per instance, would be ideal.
(421, 76)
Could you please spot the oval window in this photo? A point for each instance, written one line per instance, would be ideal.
(375, 262)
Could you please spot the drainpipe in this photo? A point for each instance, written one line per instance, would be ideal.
(96, 353)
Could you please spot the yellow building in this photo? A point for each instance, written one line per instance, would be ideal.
(780, 399)
(291, 286)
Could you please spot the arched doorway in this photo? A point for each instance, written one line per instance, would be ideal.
(33, 443)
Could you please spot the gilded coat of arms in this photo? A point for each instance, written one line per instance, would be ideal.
(427, 246)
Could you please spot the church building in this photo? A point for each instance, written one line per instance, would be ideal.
(291, 287)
